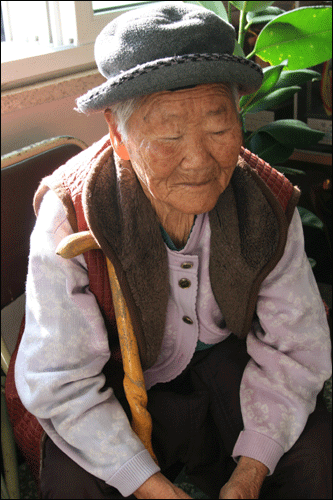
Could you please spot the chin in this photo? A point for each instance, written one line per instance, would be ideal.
(198, 208)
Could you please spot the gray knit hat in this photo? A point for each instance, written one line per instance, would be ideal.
(165, 46)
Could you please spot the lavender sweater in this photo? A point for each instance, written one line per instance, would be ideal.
(64, 348)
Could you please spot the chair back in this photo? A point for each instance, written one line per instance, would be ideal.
(21, 173)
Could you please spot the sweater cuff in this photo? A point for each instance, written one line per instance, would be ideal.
(252, 444)
(134, 473)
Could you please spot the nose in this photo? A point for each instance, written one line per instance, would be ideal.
(196, 155)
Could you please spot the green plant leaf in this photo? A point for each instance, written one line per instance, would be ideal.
(268, 148)
(251, 6)
(263, 16)
(217, 8)
(310, 219)
(292, 132)
(271, 76)
(272, 99)
(289, 171)
(303, 36)
(238, 51)
(297, 77)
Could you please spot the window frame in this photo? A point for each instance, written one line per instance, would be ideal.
(72, 50)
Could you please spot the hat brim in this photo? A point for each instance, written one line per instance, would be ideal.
(173, 72)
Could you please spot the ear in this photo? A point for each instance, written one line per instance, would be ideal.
(115, 137)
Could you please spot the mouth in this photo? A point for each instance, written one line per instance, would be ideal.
(195, 184)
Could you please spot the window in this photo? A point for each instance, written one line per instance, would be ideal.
(45, 39)
(99, 7)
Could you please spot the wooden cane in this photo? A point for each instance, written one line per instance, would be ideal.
(134, 384)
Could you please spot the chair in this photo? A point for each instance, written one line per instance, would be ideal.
(21, 172)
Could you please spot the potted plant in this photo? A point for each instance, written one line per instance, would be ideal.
(291, 42)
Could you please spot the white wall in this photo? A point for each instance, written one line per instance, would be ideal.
(26, 126)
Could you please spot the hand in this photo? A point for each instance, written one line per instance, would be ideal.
(246, 480)
(158, 486)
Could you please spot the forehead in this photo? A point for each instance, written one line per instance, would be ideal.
(208, 100)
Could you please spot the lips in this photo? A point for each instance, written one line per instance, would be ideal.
(195, 184)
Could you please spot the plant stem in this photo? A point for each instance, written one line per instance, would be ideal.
(250, 136)
(229, 13)
(248, 103)
(242, 21)
(250, 54)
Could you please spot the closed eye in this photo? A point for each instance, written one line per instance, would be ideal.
(221, 132)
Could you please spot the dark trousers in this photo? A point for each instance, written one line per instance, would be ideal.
(196, 422)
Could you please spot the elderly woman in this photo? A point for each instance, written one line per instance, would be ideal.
(208, 250)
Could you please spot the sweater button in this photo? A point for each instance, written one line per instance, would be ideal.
(186, 265)
(184, 283)
(187, 320)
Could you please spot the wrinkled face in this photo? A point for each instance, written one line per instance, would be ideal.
(184, 146)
